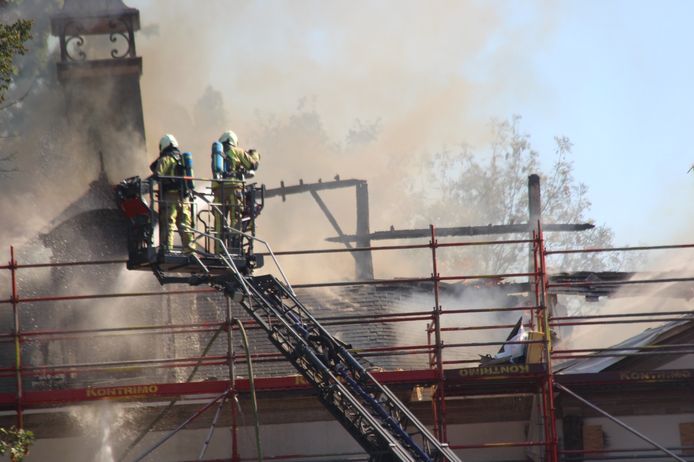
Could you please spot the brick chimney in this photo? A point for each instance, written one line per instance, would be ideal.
(100, 73)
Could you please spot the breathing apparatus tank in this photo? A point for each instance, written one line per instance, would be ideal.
(188, 169)
(218, 164)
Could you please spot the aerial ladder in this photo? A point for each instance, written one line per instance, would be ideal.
(373, 415)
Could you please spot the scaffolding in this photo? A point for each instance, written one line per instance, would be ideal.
(444, 377)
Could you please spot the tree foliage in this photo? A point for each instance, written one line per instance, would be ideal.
(30, 82)
(12, 39)
(490, 186)
(15, 442)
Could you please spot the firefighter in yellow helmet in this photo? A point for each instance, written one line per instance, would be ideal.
(174, 196)
(235, 165)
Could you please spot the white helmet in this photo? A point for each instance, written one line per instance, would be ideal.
(166, 141)
(229, 137)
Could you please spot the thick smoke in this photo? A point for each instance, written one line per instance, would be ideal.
(55, 137)
(318, 90)
(366, 93)
(638, 299)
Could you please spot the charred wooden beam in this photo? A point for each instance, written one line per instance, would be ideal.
(331, 218)
(284, 191)
(365, 267)
(363, 260)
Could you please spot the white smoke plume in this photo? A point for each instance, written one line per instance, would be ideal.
(327, 89)
(638, 299)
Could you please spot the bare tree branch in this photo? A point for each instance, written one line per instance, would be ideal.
(490, 186)
(21, 98)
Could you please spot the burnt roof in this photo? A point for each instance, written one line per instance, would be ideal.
(84, 8)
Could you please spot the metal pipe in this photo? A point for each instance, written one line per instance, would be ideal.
(614, 355)
(352, 250)
(212, 327)
(485, 276)
(619, 249)
(512, 444)
(491, 310)
(629, 457)
(290, 252)
(395, 348)
(226, 257)
(498, 326)
(112, 295)
(68, 263)
(621, 315)
(231, 369)
(510, 342)
(608, 450)
(463, 361)
(410, 280)
(544, 407)
(44, 370)
(620, 423)
(394, 247)
(270, 252)
(361, 283)
(644, 347)
(263, 357)
(206, 444)
(251, 382)
(42, 339)
(17, 340)
(235, 456)
(345, 456)
(440, 397)
(626, 321)
(171, 404)
(430, 354)
(37, 336)
(132, 362)
(520, 228)
(213, 361)
(181, 426)
(553, 447)
(618, 283)
(362, 317)
(378, 321)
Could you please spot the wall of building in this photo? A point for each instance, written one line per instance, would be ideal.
(479, 433)
(330, 440)
(321, 438)
(308, 439)
(663, 429)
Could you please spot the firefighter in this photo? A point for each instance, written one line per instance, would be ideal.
(174, 196)
(231, 163)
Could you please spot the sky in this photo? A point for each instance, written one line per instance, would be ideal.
(617, 77)
(614, 76)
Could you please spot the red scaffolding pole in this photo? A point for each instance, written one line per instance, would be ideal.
(541, 320)
(17, 333)
(550, 421)
(440, 394)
